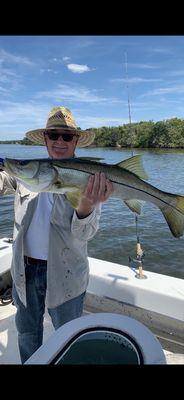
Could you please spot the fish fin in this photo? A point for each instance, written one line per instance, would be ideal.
(134, 205)
(90, 158)
(134, 164)
(175, 218)
(73, 198)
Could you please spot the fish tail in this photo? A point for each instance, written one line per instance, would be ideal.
(174, 215)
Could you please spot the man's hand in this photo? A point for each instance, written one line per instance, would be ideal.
(98, 190)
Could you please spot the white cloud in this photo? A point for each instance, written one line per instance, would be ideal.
(143, 66)
(136, 80)
(16, 118)
(167, 90)
(3, 90)
(78, 68)
(42, 70)
(17, 112)
(75, 94)
(6, 75)
(83, 43)
(11, 58)
(176, 73)
(66, 59)
(161, 50)
(96, 122)
(10, 81)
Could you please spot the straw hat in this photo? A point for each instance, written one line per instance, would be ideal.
(62, 118)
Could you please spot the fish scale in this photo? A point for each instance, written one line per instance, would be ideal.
(70, 177)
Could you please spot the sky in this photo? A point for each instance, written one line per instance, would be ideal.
(91, 75)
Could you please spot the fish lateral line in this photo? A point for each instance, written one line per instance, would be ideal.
(124, 184)
(143, 191)
(55, 164)
(113, 181)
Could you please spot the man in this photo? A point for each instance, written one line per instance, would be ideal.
(49, 263)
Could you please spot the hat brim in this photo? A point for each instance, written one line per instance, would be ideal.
(85, 137)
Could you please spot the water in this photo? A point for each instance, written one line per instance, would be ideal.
(116, 238)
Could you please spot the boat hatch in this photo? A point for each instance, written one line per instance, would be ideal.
(100, 338)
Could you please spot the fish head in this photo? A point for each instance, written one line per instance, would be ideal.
(23, 169)
(33, 174)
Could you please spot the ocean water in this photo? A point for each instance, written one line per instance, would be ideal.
(116, 239)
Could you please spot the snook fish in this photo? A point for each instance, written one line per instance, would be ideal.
(70, 176)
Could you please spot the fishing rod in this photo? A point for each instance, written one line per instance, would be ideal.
(129, 110)
(139, 251)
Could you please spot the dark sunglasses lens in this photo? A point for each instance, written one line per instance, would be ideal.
(55, 136)
(67, 138)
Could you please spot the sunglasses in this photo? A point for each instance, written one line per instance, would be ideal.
(67, 137)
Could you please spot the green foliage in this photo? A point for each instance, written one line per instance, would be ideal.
(23, 141)
(144, 134)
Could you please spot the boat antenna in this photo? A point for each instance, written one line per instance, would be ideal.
(139, 252)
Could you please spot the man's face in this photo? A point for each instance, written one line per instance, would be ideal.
(61, 143)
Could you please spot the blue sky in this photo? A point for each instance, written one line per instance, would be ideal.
(88, 75)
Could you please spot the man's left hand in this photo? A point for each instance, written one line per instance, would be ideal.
(98, 190)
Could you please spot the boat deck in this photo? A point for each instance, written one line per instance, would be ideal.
(9, 353)
(157, 302)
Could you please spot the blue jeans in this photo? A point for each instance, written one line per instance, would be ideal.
(29, 320)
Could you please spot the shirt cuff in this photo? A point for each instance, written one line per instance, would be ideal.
(86, 220)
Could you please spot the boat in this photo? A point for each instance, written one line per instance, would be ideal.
(136, 318)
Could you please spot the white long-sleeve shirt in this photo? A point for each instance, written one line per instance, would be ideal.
(67, 261)
(37, 236)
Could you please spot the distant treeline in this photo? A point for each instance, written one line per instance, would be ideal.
(23, 141)
(144, 134)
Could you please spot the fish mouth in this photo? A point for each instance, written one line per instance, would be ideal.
(18, 168)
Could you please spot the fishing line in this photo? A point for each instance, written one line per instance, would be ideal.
(130, 123)
(139, 252)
